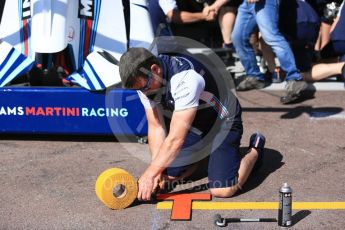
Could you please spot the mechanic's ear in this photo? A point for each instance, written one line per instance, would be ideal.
(155, 69)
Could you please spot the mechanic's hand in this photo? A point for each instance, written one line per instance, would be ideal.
(252, 1)
(206, 10)
(211, 16)
(147, 186)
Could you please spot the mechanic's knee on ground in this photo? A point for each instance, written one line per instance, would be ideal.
(224, 192)
(179, 173)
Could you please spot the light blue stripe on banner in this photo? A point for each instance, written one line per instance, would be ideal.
(77, 78)
(25, 66)
(3, 64)
(88, 75)
(14, 64)
(19, 59)
(93, 76)
(9, 61)
(98, 79)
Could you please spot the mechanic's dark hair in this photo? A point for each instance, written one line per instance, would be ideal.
(135, 62)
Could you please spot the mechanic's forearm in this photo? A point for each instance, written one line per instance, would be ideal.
(181, 17)
(179, 126)
(166, 155)
(156, 138)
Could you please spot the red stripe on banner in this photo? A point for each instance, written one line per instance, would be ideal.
(87, 38)
(26, 37)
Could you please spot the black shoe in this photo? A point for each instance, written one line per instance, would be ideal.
(250, 83)
(294, 89)
(257, 141)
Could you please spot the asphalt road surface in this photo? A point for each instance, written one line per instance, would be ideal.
(48, 182)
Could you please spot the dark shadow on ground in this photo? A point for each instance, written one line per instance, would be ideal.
(291, 113)
(272, 161)
(300, 215)
(139, 202)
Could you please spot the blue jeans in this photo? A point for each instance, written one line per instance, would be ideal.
(263, 15)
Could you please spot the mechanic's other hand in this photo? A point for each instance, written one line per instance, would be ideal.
(147, 185)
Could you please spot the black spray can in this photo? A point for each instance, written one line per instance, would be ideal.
(285, 206)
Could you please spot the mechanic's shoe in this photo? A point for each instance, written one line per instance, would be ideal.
(294, 89)
(257, 141)
(250, 83)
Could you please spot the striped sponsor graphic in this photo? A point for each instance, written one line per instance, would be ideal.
(219, 107)
(13, 63)
(25, 6)
(88, 78)
(25, 25)
(215, 103)
(89, 16)
(100, 71)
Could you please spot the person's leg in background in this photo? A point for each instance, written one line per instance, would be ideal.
(324, 70)
(334, 50)
(273, 66)
(245, 25)
(267, 17)
(226, 19)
